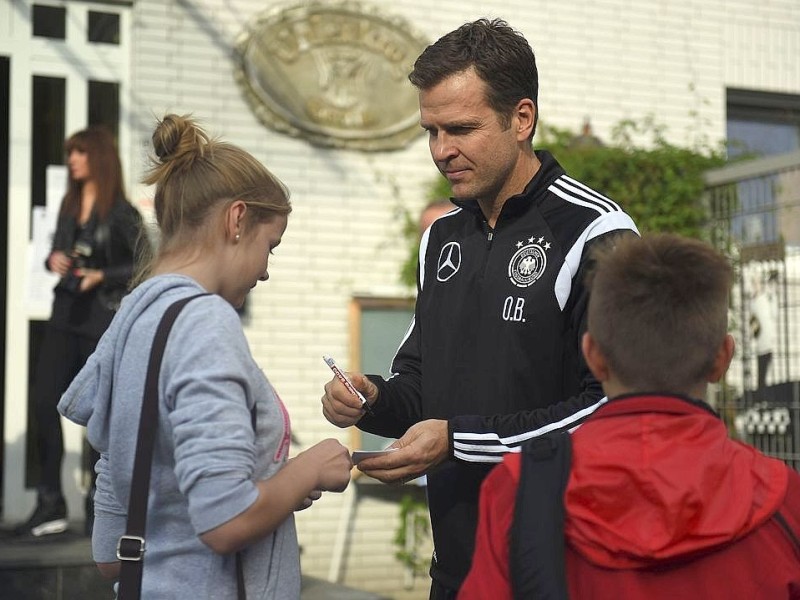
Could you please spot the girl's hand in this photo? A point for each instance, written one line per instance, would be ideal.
(332, 464)
(310, 499)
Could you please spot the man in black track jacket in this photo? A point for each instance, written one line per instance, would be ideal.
(492, 357)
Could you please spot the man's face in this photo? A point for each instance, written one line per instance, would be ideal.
(469, 143)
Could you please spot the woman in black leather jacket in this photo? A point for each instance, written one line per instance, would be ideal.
(94, 246)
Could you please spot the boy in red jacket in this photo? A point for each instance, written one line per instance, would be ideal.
(658, 501)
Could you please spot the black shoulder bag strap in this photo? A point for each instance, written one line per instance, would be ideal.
(794, 538)
(131, 546)
(536, 551)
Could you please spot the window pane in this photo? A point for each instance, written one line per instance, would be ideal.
(47, 132)
(761, 138)
(103, 27)
(49, 21)
(762, 123)
(5, 94)
(104, 105)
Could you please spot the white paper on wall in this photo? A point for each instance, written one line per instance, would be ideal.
(39, 293)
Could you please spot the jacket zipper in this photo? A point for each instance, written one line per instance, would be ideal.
(489, 238)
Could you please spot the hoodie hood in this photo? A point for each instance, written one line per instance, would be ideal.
(656, 478)
(87, 401)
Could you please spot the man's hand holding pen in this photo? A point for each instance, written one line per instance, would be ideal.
(343, 408)
(423, 446)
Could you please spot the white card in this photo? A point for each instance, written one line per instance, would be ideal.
(359, 455)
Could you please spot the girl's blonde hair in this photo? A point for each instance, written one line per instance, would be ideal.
(197, 178)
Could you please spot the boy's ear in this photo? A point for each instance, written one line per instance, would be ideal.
(595, 359)
(723, 359)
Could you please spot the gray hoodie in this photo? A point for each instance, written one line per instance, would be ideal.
(206, 456)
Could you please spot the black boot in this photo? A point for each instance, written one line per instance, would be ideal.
(48, 518)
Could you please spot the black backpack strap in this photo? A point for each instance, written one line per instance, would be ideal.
(131, 546)
(793, 537)
(536, 544)
(241, 593)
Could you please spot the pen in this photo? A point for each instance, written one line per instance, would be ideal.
(350, 387)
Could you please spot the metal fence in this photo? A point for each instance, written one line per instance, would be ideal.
(755, 208)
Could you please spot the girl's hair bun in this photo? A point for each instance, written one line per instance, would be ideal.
(178, 137)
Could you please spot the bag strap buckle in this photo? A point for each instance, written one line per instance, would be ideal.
(130, 547)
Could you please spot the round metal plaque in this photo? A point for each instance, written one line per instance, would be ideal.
(333, 72)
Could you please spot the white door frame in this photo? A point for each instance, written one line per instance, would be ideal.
(77, 61)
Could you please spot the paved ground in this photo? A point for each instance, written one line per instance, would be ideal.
(61, 568)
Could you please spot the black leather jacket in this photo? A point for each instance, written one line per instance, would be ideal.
(110, 245)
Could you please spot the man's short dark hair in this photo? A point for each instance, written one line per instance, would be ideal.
(500, 55)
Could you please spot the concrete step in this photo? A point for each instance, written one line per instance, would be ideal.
(60, 567)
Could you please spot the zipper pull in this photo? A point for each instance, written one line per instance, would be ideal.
(491, 235)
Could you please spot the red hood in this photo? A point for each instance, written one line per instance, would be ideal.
(657, 478)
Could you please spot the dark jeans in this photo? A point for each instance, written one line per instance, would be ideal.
(61, 356)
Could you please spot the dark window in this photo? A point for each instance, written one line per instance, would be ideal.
(33, 473)
(762, 123)
(50, 21)
(104, 105)
(5, 95)
(47, 132)
(103, 27)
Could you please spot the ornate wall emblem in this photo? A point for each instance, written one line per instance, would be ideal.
(332, 72)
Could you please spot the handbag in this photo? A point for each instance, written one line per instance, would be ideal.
(131, 546)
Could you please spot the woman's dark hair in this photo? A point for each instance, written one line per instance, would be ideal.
(105, 170)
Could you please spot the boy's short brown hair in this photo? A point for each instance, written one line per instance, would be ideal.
(658, 310)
